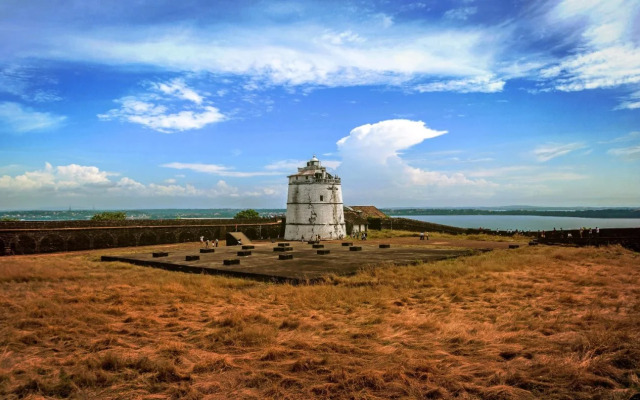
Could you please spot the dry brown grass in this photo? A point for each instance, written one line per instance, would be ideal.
(536, 322)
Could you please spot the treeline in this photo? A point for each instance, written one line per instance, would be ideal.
(600, 213)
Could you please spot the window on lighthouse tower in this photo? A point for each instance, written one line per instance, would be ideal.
(321, 198)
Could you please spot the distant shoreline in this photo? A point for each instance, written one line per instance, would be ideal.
(224, 213)
(591, 213)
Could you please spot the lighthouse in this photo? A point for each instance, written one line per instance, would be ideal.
(314, 204)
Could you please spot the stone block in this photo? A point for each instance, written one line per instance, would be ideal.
(318, 246)
(384, 246)
(514, 246)
(345, 244)
(207, 250)
(160, 254)
(279, 248)
(285, 257)
(355, 248)
(192, 258)
(244, 253)
(323, 252)
(233, 261)
(248, 247)
(284, 244)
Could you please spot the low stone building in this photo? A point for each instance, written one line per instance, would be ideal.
(359, 218)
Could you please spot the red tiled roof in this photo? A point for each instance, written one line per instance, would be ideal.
(369, 211)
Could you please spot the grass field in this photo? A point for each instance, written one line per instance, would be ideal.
(535, 322)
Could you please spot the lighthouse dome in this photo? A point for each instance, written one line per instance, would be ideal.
(313, 162)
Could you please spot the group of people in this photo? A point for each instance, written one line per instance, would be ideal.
(208, 243)
(583, 232)
(359, 235)
(423, 235)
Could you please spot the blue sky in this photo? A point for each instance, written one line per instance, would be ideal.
(204, 104)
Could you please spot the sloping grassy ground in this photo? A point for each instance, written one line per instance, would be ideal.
(536, 322)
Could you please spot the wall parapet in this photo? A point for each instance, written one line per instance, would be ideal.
(56, 236)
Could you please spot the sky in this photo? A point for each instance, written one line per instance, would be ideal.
(211, 104)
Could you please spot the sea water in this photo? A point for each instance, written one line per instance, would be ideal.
(526, 222)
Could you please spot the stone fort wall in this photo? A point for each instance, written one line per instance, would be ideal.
(31, 237)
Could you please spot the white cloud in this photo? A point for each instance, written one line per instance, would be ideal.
(178, 88)
(285, 165)
(297, 54)
(480, 84)
(628, 105)
(607, 54)
(462, 13)
(628, 153)
(527, 174)
(60, 178)
(26, 83)
(217, 170)
(552, 150)
(144, 110)
(342, 38)
(635, 135)
(372, 162)
(55, 185)
(383, 140)
(632, 102)
(17, 119)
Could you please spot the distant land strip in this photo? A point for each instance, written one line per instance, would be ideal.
(591, 213)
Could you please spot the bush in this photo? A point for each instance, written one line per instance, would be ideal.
(247, 214)
(110, 216)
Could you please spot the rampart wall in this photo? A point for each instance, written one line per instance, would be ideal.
(31, 237)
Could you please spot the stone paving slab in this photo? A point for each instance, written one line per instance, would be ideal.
(305, 266)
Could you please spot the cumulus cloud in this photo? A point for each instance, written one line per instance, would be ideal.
(64, 177)
(372, 162)
(383, 140)
(552, 150)
(156, 109)
(18, 119)
(217, 169)
(54, 185)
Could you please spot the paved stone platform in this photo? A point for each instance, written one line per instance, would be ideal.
(306, 265)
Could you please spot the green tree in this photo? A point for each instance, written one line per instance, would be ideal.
(247, 214)
(110, 216)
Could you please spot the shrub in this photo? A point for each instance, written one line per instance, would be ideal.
(110, 216)
(247, 214)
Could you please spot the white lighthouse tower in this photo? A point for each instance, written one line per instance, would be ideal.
(314, 204)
